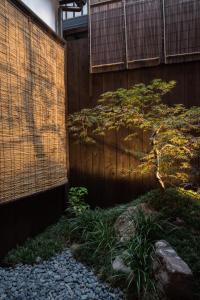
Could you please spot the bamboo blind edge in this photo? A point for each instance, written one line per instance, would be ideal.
(34, 194)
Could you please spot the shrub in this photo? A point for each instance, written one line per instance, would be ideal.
(178, 203)
(94, 231)
(77, 199)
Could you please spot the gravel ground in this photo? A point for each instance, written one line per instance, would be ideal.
(61, 278)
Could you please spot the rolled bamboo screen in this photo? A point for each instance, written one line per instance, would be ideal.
(144, 30)
(107, 44)
(127, 34)
(32, 107)
(182, 30)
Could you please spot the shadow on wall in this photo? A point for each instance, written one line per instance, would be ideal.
(109, 168)
(107, 192)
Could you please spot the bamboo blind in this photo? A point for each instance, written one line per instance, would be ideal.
(182, 30)
(107, 43)
(32, 108)
(128, 34)
(144, 30)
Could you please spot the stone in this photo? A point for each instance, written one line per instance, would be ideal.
(61, 277)
(124, 225)
(75, 248)
(173, 276)
(118, 265)
(38, 260)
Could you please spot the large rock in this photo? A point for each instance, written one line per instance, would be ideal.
(174, 277)
(124, 225)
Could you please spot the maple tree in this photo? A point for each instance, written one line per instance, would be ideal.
(172, 130)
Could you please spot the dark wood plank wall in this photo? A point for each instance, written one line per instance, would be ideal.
(100, 167)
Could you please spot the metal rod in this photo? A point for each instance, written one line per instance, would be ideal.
(60, 22)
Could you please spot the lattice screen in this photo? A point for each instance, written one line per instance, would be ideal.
(32, 107)
(107, 42)
(136, 33)
(144, 30)
(182, 30)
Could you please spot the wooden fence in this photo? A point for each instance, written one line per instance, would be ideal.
(100, 167)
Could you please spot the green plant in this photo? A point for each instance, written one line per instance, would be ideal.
(94, 230)
(173, 132)
(185, 205)
(176, 202)
(138, 255)
(77, 199)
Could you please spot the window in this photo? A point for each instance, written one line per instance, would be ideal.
(69, 15)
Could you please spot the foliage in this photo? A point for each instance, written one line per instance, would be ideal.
(77, 199)
(185, 205)
(173, 131)
(178, 202)
(138, 255)
(94, 231)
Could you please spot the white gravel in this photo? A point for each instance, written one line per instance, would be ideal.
(61, 278)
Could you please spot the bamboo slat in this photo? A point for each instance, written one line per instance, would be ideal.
(32, 107)
(107, 45)
(144, 31)
(127, 34)
(181, 30)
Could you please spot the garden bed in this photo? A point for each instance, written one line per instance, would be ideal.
(93, 236)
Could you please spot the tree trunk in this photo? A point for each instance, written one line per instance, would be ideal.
(157, 159)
